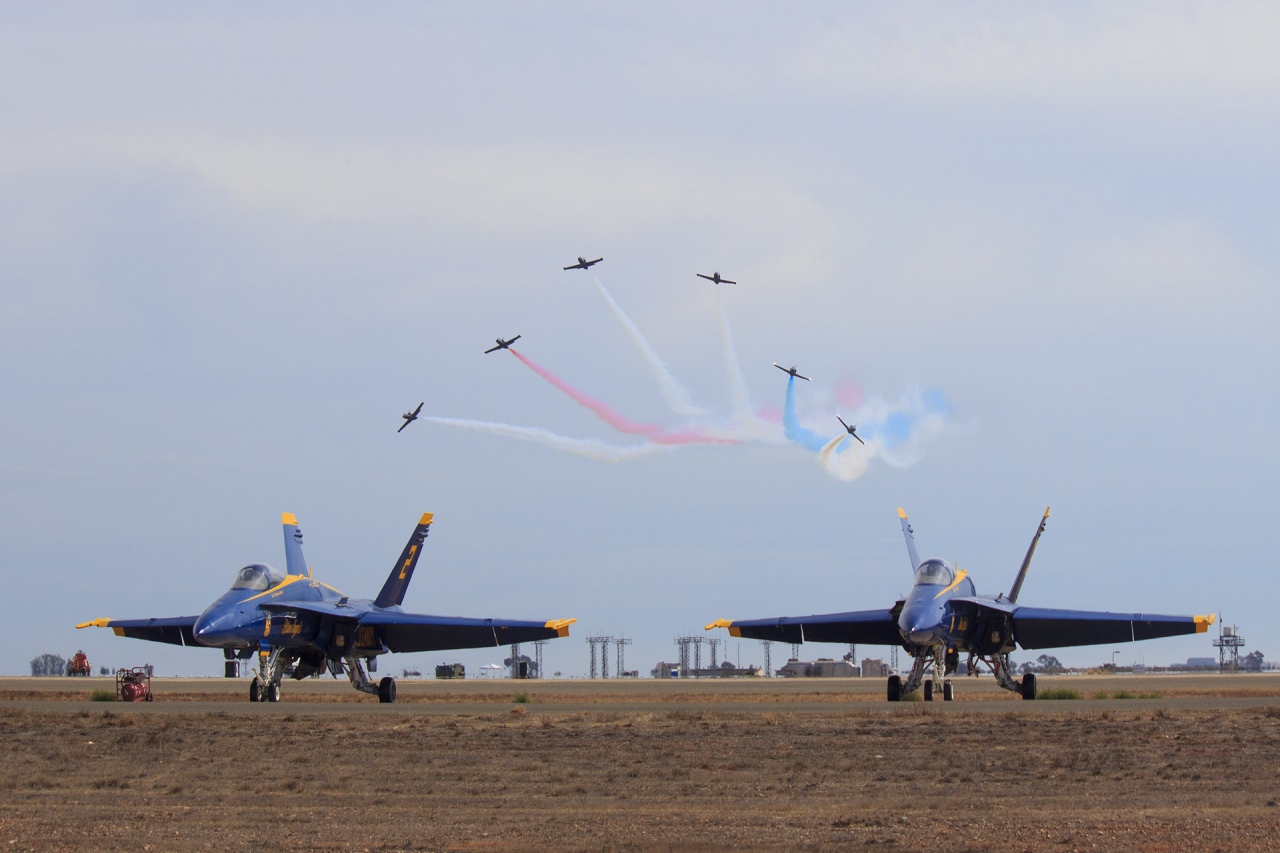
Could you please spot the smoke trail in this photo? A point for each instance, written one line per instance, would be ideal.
(897, 429)
(845, 466)
(620, 422)
(676, 395)
(588, 447)
(737, 382)
(791, 428)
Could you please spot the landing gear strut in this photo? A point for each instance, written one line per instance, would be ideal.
(265, 686)
(1026, 688)
(385, 689)
(898, 688)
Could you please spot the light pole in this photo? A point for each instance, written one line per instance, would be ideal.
(1113, 658)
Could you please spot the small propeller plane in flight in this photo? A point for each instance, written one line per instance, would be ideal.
(410, 417)
(715, 278)
(501, 344)
(583, 263)
(943, 616)
(792, 372)
(301, 626)
(852, 430)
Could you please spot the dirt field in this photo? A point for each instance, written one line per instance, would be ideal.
(650, 769)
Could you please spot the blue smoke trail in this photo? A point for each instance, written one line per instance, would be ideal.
(899, 424)
(806, 438)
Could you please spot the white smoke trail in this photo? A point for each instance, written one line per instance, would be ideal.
(676, 395)
(737, 381)
(588, 447)
(847, 466)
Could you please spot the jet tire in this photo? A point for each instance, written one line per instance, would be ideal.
(1028, 689)
(273, 692)
(948, 691)
(387, 690)
(928, 690)
(895, 688)
(253, 691)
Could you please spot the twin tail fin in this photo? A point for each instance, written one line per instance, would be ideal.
(398, 581)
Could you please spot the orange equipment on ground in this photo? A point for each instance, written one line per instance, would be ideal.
(79, 664)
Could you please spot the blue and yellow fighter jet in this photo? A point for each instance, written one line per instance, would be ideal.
(300, 626)
(943, 616)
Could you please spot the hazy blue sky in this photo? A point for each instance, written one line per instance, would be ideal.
(237, 242)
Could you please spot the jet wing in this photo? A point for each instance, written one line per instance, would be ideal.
(872, 627)
(1047, 628)
(418, 632)
(175, 630)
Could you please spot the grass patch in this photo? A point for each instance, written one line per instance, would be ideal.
(1123, 694)
(102, 696)
(1058, 693)
(521, 698)
(913, 696)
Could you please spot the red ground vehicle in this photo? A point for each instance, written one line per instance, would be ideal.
(79, 664)
(133, 685)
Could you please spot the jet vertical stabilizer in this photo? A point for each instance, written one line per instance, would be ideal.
(294, 562)
(911, 538)
(398, 581)
(1026, 561)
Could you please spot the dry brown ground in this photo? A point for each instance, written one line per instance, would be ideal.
(1123, 778)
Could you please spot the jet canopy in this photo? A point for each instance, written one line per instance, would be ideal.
(257, 577)
(934, 571)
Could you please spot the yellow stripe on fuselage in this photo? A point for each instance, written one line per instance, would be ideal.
(961, 575)
(275, 590)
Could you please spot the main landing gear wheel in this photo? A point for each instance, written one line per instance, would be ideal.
(948, 691)
(895, 688)
(387, 690)
(1029, 686)
(253, 691)
(928, 690)
(273, 692)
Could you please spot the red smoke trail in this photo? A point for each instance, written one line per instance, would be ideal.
(623, 424)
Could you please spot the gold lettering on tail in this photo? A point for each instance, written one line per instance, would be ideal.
(413, 549)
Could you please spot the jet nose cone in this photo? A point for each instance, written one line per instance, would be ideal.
(921, 636)
(211, 629)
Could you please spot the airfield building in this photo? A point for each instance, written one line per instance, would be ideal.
(820, 668)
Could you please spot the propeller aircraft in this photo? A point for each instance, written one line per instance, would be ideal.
(791, 372)
(943, 616)
(410, 417)
(715, 278)
(501, 344)
(852, 430)
(299, 626)
(583, 263)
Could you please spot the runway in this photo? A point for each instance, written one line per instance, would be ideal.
(629, 696)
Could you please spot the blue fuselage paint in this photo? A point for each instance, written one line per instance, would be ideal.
(926, 613)
(237, 619)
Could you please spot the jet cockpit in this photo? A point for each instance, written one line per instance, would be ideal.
(257, 577)
(934, 572)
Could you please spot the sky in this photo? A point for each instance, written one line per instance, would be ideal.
(1031, 249)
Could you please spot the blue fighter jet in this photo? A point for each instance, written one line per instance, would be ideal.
(300, 626)
(943, 616)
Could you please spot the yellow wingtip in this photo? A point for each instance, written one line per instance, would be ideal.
(1203, 622)
(1046, 512)
(902, 513)
(288, 518)
(560, 626)
(426, 518)
(96, 623)
(719, 623)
